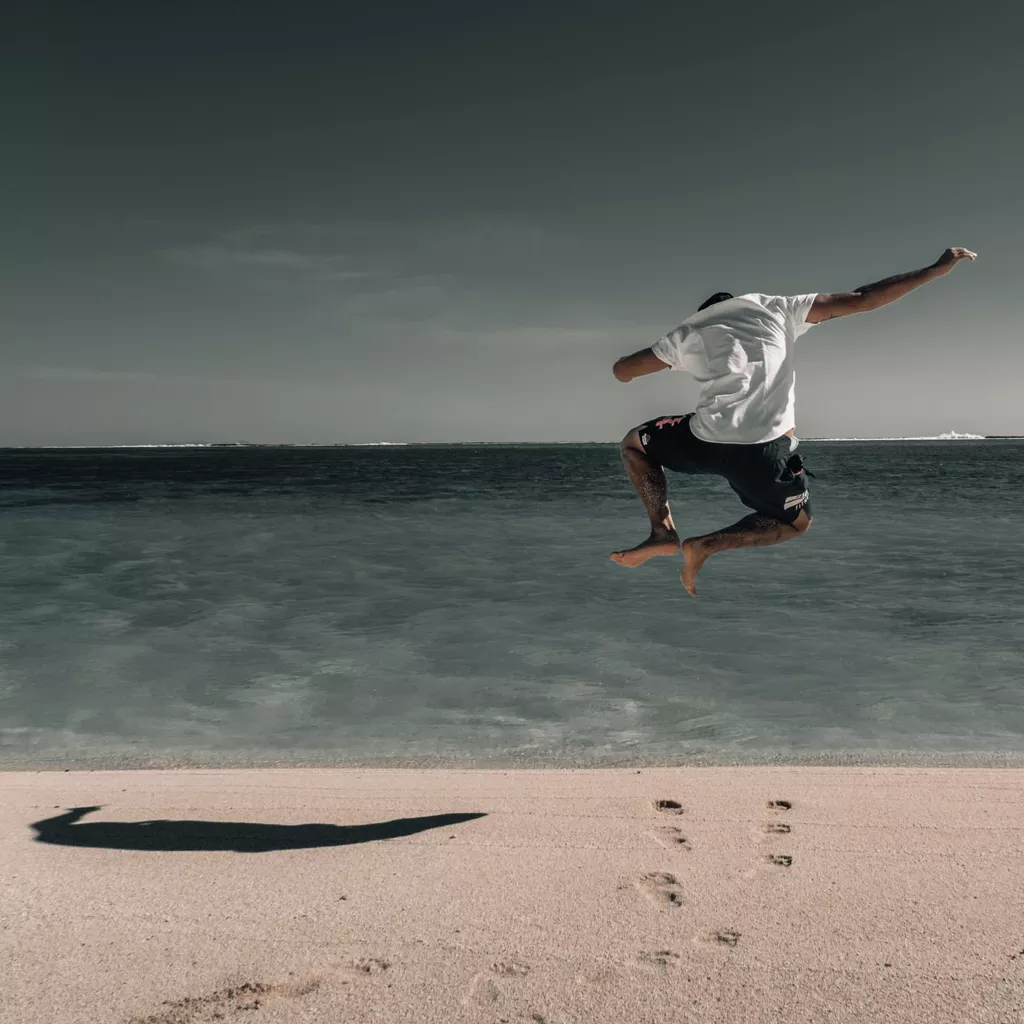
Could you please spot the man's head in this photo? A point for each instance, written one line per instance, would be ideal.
(717, 297)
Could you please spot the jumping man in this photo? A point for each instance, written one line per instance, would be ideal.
(742, 351)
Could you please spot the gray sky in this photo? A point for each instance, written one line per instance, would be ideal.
(405, 221)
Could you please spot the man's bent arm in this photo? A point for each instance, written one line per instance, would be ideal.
(881, 293)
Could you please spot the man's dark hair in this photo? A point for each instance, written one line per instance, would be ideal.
(717, 297)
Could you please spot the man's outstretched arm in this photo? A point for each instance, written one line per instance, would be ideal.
(638, 365)
(881, 293)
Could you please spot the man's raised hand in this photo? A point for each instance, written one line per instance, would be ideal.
(951, 257)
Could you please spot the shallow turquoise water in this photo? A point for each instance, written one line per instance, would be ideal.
(456, 605)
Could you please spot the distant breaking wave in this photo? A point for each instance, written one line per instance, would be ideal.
(951, 435)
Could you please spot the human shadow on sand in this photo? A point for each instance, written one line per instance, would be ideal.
(239, 836)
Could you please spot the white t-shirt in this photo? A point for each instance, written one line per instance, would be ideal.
(742, 352)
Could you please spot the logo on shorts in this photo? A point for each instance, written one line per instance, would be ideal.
(644, 438)
(797, 500)
(670, 421)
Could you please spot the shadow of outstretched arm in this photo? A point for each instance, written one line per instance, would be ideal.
(240, 836)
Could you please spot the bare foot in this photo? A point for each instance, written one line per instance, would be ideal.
(663, 543)
(693, 559)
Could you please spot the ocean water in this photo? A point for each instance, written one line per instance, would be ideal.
(456, 605)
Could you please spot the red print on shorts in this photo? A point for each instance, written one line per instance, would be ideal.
(669, 421)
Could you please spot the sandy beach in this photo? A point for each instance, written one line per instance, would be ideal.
(549, 897)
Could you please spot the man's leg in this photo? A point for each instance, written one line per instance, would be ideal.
(649, 480)
(755, 530)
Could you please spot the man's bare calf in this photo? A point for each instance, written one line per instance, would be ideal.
(649, 480)
(755, 530)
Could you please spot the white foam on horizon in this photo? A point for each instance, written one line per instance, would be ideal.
(951, 435)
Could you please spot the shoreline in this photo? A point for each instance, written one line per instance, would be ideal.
(455, 761)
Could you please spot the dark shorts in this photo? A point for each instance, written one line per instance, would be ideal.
(768, 478)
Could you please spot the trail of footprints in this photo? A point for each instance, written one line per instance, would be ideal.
(661, 888)
(664, 889)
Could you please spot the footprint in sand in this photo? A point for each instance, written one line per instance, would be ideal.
(370, 965)
(668, 806)
(486, 991)
(251, 995)
(510, 968)
(769, 862)
(776, 828)
(661, 888)
(780, 805)
(660, 957)
(482, 991)
(726, 937)
(670, 837)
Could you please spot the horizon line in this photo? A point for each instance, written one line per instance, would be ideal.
(954, 436)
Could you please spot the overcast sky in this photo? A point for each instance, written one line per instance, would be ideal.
(419, 221)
